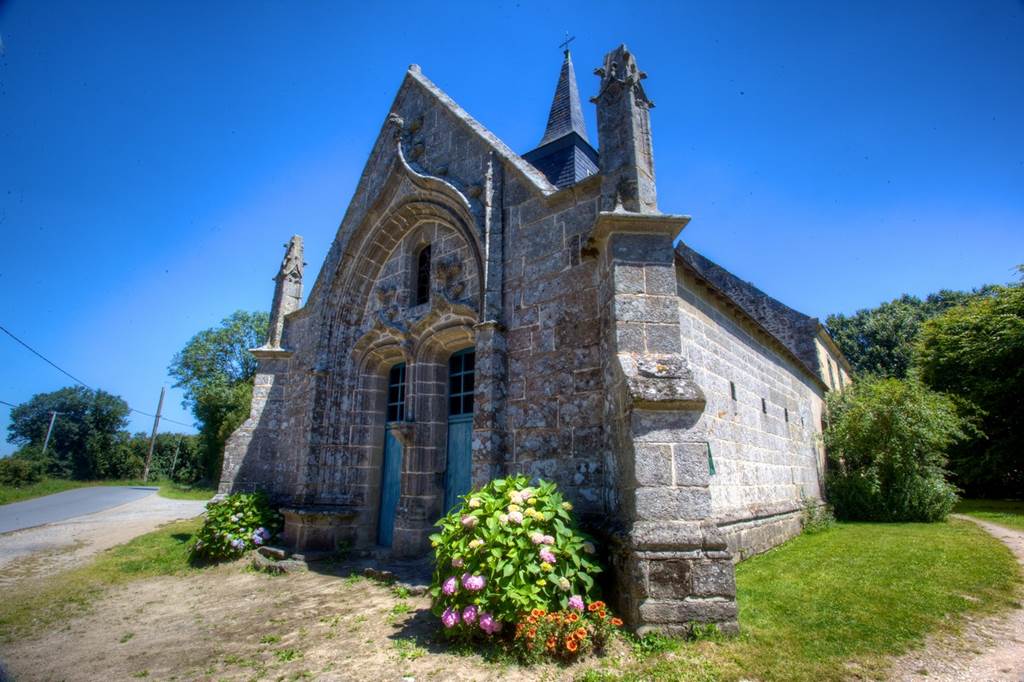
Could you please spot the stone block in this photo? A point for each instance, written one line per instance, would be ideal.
(690, 464)
(653, 465)
(670, 504)
(714, 579)
(670, 578)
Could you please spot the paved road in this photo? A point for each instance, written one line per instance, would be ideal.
(66, 505)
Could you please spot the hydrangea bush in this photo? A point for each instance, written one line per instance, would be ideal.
(508, 549)
(236, 524)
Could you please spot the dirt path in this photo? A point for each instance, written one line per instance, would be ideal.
(44, 550)
(987, 649)
(229, 623)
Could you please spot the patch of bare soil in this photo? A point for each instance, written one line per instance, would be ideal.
(232, 623)
(986, 649)
(45, 550)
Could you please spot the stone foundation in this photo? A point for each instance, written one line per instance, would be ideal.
(319, 528)
(749, 536)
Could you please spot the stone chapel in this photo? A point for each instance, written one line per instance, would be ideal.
(482, 313)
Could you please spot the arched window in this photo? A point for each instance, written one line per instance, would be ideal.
(423, 275)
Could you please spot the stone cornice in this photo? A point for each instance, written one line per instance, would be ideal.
(625, 222)
(264, 353)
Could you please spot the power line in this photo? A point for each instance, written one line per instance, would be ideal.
(44, 358)
(76, 379)
(4, 402)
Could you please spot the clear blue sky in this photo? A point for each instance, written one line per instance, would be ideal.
(155, 156)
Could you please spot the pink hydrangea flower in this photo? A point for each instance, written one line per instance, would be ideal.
(450, 617)
(457, 563)
(576, 602)
(516, 518)
(537, 538)
(469, 615)
(549, 540)
(546, 556)
(469, 521)
(488, 624)
(450, 586)
(473, 583)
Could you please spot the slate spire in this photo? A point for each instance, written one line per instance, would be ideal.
(564, 154)
(566, 111)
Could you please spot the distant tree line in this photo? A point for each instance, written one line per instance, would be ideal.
(90, 440)
(967, 346)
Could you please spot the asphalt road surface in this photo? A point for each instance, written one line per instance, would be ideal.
(67, 505)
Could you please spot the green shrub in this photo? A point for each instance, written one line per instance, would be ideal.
(507, 549)
(816, 517)
(887, 440)
(238, 523)
(18, 472)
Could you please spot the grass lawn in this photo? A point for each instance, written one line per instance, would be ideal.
(49, 486)
(833, 605)
(1004, 512)
(162, 552)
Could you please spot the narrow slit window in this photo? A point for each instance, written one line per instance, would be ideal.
(831, 377)
(396, 394)
(785, 414)
(423, 275)
(764, 406)
(732, 390)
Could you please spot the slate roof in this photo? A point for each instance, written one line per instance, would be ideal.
(790, 327)
(564, 154)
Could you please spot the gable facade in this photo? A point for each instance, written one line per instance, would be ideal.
(478, 316)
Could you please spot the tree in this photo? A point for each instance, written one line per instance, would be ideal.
(880, 340)
(976, 352)
(84, 433)
(887, 441)
(216, 369)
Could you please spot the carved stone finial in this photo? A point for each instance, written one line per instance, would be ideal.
(624, 132)
(287, 291)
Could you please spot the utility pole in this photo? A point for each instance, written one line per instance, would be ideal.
(152, 439)
(174, 463)
(49, 430)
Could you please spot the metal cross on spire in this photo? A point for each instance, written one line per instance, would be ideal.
(565, 45)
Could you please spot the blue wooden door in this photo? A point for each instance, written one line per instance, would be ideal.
(391, 465)
(390, 488)
(458, 473)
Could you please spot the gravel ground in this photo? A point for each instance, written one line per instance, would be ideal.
(987, 649)
(44, 550)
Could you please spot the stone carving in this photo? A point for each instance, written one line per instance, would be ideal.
(448, 271)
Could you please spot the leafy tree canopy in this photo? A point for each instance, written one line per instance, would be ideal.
(216, 369)
(976, 352)
(880, 340)
(85, 431)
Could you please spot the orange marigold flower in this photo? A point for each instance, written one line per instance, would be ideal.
(531, 620)
(541, 612)
(570, 644)
(536, 612)
(573, 618)
(616, 622)
(581, 633)
(532, 633)
(600, 604)
(551, 643)
(593, 606)
(601, 614)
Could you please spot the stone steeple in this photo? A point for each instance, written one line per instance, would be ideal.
(287, 292)
(565, 155)
(624, 135)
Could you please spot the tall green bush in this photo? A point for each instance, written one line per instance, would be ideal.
(887, 441)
